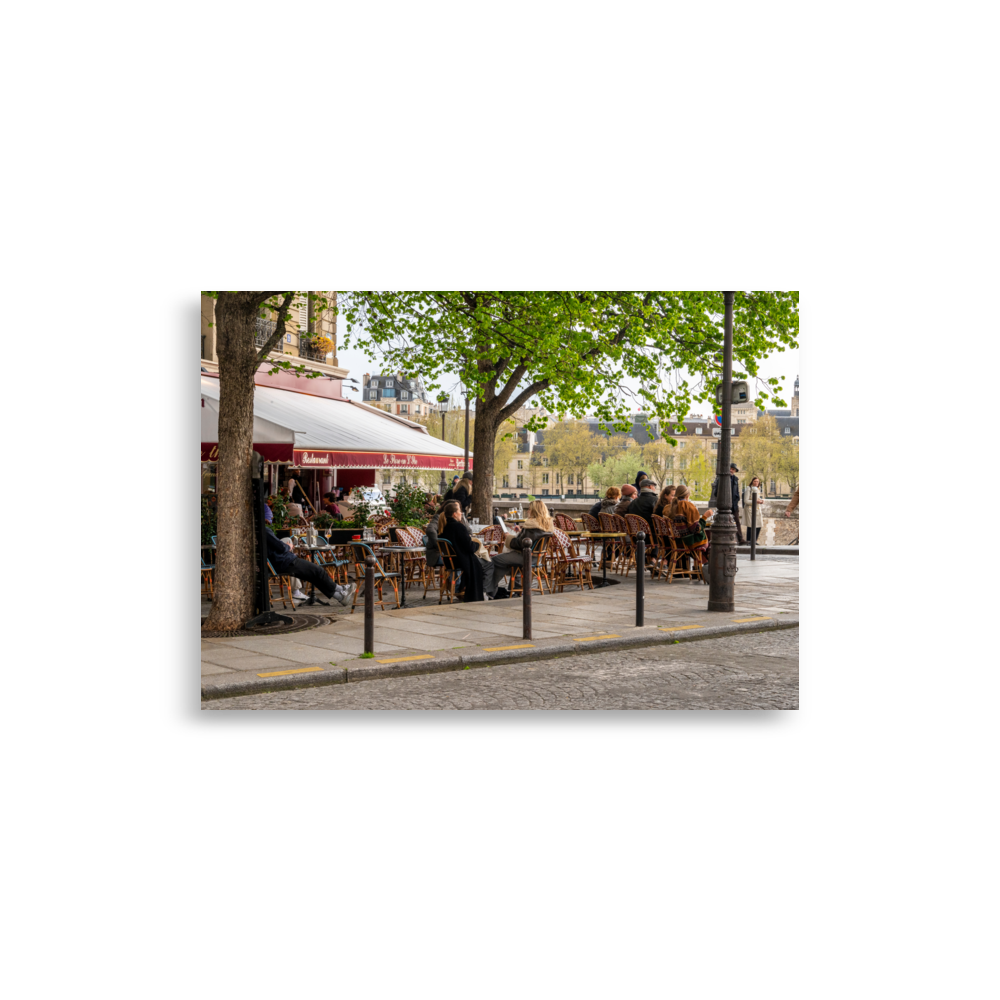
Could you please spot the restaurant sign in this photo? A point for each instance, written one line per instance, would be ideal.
(377, 460)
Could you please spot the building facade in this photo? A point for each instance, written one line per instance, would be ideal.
(310, 337)
(403, 397)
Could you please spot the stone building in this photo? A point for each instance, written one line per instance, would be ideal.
(404, 397)
(310, 335)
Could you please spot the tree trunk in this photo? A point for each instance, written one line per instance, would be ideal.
(235, 313)
(487, 423)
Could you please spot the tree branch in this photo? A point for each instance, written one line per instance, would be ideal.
(279, 331)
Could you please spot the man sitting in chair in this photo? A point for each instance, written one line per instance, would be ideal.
(286, 562)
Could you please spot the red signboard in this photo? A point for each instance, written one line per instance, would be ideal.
(377, 460)
(271, 452)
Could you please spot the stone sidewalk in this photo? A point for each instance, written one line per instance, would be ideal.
(428, 637)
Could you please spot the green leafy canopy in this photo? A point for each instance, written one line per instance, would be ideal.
(572, 350)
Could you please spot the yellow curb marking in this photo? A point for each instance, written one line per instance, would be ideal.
(764, 618)
(495, 649)
(591, 638)
(679, 628)
(281, 673)
(400, 659)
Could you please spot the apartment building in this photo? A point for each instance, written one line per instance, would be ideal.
(404, 397)
(310, 336)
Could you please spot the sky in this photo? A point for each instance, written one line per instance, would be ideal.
(783, 365)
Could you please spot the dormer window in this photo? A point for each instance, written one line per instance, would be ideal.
(389, 381)
(699, 430)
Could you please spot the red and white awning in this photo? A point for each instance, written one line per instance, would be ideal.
(316, 432)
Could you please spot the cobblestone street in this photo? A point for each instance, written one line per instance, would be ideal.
(745, 672)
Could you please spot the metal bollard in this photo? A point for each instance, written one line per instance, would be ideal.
(369, 603)
(526, 592)
(640, 577)
(753, 527)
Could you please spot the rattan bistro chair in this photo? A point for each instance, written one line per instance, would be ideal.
(538, 550)
(570, 568)
(283, 580)
(207, 581)
(358, 552)
(449, 571)
(564, 522)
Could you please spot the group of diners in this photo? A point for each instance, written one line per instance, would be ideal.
(484, 576)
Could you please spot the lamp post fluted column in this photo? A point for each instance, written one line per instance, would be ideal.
(722, 552)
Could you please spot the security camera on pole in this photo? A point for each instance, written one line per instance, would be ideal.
(722, 551)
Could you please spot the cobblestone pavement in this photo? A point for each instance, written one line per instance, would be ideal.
(750, 671)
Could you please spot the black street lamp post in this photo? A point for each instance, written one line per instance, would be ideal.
(443, 402)
(722, 553)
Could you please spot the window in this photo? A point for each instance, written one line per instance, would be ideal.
(545, 478)
(545, 493)
(389, 381)
(569, 479)
(506, 482)
(404, 394)
(669, 462)
(715, 446)
(372, 394)
(684, 463)
(388, 392)
(788, 430)
(699, 430)
(520, 465)
(683, 444)
(520, 482)
(545, 460)
(403, 408)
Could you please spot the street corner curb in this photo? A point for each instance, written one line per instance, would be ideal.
(367, 670)
(250, 682)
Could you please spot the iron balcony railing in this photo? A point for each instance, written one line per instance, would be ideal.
(306, 350)
(264, 331)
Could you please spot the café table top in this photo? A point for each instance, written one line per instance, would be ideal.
(405, 548)
(602, 534)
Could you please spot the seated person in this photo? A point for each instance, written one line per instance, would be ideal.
(536, 523)
(284, 561)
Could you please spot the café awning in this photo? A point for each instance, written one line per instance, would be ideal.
(316, 432)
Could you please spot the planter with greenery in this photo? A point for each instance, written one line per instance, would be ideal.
(408, 505)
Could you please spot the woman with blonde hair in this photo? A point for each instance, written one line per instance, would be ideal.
(686, 522)
(536, 523)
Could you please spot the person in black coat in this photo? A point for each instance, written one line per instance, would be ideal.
(285, 561)
(477, 578)
(644, 504)
(463, 493)
(735, 488)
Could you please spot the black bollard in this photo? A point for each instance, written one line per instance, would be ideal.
(526, 591)
(640, 576)
(369, 603)
(753, 527)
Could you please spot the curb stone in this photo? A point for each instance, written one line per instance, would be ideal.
(361, 670)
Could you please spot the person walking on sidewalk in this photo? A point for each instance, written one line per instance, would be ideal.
(752, 498)
(734, 485)
(286, 562)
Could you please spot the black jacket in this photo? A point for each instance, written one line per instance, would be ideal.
(735, 484)
(282, 558)
(596, 509)
(643, 505)
(465, 558)
(463, 497)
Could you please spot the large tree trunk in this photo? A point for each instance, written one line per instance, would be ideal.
(235, 313)
(487, 422)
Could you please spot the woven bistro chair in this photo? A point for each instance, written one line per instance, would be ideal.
(566, 561)
(207, 582)
(414, 563)
(382, 525)
(564, 522)
(635, 524)
(283, 581)
(621, 548)
(334, 566)
(449, 571)
(358, 552)
(492, 537)
(590, 523)
(663, 532)
(538, 552)
(679, 552)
